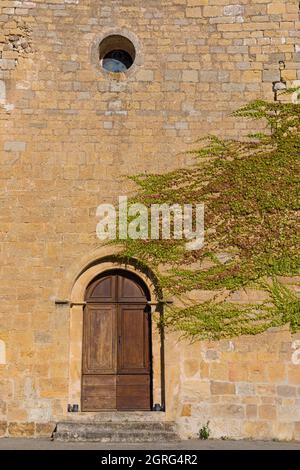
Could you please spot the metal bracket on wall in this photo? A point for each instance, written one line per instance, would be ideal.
(160, 302)
(68, 302)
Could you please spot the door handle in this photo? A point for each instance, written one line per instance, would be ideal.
(119, 339)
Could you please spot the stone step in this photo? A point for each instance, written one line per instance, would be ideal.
(108, 416)
(66, 426)
(116, 432)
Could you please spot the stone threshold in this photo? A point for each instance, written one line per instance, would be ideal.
(115, 416)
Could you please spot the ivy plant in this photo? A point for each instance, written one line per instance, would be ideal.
(251, 194)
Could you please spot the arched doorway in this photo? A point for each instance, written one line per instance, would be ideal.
(116, 353)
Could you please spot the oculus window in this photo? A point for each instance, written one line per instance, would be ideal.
(116, 53)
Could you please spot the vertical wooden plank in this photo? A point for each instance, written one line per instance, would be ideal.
(99, 357)
(99, 392)
(99, 339)
(133, 392)
(133, 341)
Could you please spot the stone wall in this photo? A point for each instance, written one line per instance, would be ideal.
(68, 135)
(246, 388)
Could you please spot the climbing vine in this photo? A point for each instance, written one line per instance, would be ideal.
(251, 194)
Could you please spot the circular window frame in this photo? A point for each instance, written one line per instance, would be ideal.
(113, 44)
(97, 59)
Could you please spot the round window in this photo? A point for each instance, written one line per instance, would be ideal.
(116, 53)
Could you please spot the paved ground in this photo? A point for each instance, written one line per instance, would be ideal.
(44, 444)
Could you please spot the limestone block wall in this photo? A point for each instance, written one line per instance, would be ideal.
(246, 387)
(68, 136)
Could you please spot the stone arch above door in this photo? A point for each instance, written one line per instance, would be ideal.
(77, 301)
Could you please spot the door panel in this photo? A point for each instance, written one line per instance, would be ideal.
(99, 351)
(133, 392)
(103, 290)
(133, 342)
(99, 392)
(130, 291)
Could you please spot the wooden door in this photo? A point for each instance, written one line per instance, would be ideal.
(133, 382)
(116, 346)
(99, 363)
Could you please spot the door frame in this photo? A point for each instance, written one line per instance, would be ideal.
(77, 303)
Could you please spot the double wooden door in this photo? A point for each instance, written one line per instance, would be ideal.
(116, 346)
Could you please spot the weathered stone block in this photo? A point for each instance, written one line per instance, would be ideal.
(297, 431)
(14, 146)
(195, 3)
(271, 75)
(173, 75)
(222, 388)
(237, 49)
(219, 371)
(256, 372)
(21, 429)
(190, 76)
(2, 92)
(257, 430)
(267, 412)
(293, 374)
(204, 370)
(288, 412)
(3, 428)
(194, 12)
(44, 429)
(211, 11)
(208, 76)
(276, 8)
(245, 389)
(230, 411)
(233, 10)
(251, 411)
(283, 431)
(7, 64)
(276, 372)
(70, 66)
(286, 391)
(238, 372)
(252, 76)
(233, 87)
(191, 367)
(195, 391)
(145, 75)
(289, 75)
(186, 410)
(211, 355)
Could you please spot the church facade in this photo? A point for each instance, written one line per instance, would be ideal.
(92, 91)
